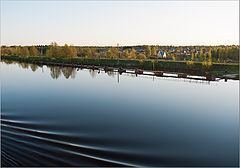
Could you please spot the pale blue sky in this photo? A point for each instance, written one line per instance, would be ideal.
(126, 23)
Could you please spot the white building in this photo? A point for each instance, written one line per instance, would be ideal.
(161, 54)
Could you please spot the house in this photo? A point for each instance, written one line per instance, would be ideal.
(172, 49)
(138, 50)
(161, 54)
(105, 50)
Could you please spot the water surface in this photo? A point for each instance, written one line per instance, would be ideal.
(53, 116)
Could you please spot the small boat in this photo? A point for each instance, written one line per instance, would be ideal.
(94, 68)
(65, 65)
(121, 70)
(210, 78)
(106, 69)
(82, 66)
(182, 75)
(138, 71)
(158, 73)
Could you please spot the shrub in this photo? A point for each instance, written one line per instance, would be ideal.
(140, 61)
(190, 62)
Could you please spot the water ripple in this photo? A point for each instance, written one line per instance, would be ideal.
(17, 133)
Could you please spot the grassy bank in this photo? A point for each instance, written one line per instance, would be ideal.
(196, 68)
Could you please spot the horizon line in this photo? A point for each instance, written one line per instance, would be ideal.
(122, 45)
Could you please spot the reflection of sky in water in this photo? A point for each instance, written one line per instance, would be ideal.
(162, 115)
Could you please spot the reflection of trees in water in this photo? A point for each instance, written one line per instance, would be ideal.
(34, 67)
(69, 71)
(131, 75)
(24, 65)
(8, 62)
(55, 72)
(111, 74)
(93, 73)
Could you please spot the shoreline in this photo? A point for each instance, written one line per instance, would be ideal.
(157, 67)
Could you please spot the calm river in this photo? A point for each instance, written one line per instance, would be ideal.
(53, 116)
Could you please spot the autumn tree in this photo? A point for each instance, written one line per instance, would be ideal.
(141, 56)
(113, 52)
(196, 56)
(18, 50)
(148, 51)
(125, 53)
(201, 55)
(3, 50)
(88, 52)
(205, 56)
(133, 54)
(73, 52)
(25, 51)
(154, 51)
(192, 58)
(54, 50)
(93, 52)
(109, 54)
(68, 52)
(173, 58)
(210, 57)
(34, 51)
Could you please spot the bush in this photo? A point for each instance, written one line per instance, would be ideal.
(190, 63)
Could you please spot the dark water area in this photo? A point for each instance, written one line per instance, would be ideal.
(54, 116)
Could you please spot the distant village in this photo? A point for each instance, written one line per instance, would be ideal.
(188, 53)
(160, 53)
(195, 53)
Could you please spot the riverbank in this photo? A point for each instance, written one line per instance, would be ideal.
(195, 68)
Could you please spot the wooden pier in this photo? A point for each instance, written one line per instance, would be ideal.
(136, 71)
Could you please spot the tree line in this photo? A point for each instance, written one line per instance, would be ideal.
(188, 53)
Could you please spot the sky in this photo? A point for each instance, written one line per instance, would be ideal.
(106, 23)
